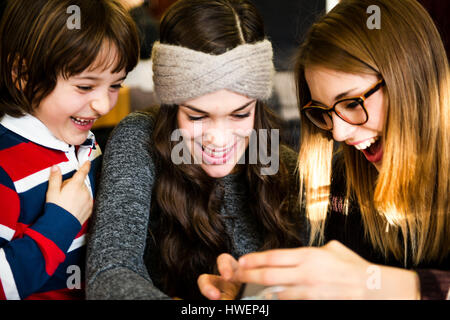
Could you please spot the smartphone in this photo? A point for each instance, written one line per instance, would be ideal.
(254, 291)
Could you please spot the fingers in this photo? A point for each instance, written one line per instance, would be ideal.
(221, 286)
(227, 266)
(276, 267)
(275, 258)
(207, 284)
(271, 276)
(229, 290)
(55, 180)
(214, 287)
(82, 172)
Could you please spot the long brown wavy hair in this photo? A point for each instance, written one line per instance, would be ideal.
(190, 232)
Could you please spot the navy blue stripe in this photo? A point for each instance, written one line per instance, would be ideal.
(10, 139)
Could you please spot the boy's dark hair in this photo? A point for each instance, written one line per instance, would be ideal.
(38, 43)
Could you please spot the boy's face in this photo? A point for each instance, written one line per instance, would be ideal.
(71, 109)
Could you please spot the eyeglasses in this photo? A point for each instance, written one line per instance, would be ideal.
(351, 110)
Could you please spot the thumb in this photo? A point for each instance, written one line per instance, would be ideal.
(227, 266)
(55, 180)
(82, 172)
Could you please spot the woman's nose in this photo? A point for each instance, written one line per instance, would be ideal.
(219, 135)
(342, 130)
(217, 138)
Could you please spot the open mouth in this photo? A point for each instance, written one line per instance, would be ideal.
(83, 124)
(372, 150)
(217, 156)
(366, 144)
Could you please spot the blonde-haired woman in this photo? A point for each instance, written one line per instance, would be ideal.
(381, 203)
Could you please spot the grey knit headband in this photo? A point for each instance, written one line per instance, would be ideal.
(181, 74)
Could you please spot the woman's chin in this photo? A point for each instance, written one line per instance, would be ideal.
(218, 170)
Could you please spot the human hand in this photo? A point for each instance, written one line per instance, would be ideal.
(329, 272)
(72, 194)
(221, 287)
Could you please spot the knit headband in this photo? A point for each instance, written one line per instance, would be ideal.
(181, 74)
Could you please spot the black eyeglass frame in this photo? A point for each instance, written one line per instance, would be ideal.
(360, 99)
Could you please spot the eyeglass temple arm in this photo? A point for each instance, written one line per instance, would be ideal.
(316, 104)
(375, 88)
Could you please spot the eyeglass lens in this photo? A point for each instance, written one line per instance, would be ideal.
(350, 111)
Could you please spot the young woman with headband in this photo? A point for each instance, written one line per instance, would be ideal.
(384, 94)
(184, 183)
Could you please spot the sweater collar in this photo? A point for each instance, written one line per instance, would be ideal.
(34, 130)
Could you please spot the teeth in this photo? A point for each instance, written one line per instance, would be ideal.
(216, 154)
(81, 121)
(366, 144)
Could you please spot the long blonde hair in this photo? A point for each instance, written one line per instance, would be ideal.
(410, 193)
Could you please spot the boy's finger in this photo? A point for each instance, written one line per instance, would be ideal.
(82, 172)
(55, 180)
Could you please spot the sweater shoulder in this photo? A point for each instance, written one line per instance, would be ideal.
(139, 121)
(133, 131)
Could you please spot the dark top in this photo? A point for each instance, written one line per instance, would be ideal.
(121, 262)
(349, 230)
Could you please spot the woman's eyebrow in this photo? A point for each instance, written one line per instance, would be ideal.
(339, 96)
(344, 94)
(204, 112)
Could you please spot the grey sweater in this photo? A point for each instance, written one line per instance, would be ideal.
(118, 261)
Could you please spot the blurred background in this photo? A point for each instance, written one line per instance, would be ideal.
(286, 22)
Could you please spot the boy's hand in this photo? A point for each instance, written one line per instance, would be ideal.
(72, 194)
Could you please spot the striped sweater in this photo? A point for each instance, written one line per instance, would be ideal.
(42, 246)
